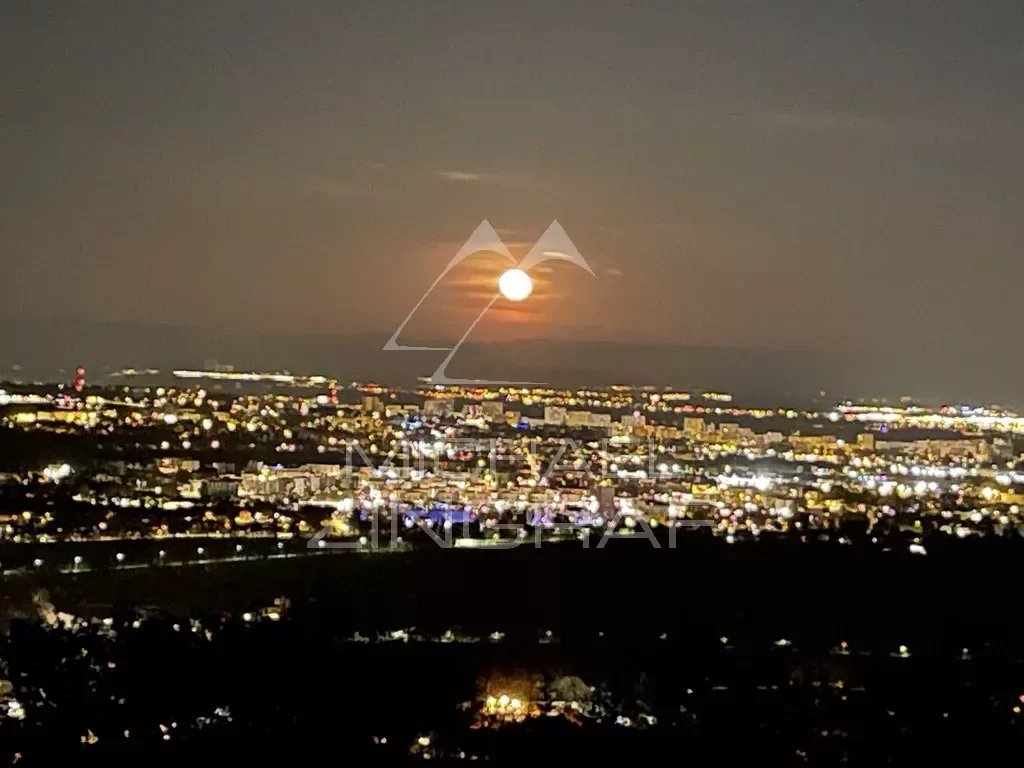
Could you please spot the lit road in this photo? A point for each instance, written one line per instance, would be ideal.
(84, 567)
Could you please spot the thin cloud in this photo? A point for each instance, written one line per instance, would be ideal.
(462, 176)
(930, 127)
(502, 179)
(336, 188)
(823, 120)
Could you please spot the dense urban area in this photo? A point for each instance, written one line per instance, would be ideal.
(304, 461)
(302, 518)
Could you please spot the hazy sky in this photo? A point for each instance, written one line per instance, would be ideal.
(786, 174)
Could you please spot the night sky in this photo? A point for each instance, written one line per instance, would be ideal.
(786, 175)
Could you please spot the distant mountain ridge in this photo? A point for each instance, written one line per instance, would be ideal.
(49, 349)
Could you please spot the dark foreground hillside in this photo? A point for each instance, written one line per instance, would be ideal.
(788, 653)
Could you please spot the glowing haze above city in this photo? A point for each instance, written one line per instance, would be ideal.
(800, 180)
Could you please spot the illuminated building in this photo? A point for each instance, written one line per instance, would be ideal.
(577, 419)
(554, 415)
(492, 410)
(373, 405)
(693, 427)
(438, 407)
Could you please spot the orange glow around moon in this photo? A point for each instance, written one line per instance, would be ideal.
(515, 284)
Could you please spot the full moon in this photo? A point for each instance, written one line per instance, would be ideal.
(515, 285)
